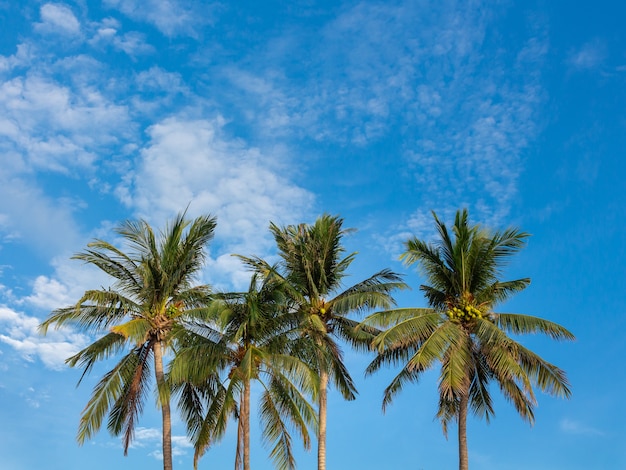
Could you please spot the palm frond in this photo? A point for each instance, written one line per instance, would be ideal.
(524, 324)
(102, 348)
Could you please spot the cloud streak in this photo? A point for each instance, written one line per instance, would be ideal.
(570, 426)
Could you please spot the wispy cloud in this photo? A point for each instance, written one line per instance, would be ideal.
(34, 398)
(151, 437)
(171, 17)
(428, 77)
(570, 426)
(590, 55)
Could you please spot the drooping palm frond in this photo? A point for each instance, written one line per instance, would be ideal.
(129, 404)
(284, 399)
(106, 393)
(103, 348)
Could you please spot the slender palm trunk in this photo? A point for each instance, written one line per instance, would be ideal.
(321, 436)
(165, 406)
(239, 454)
(463, 458)
(246, 425)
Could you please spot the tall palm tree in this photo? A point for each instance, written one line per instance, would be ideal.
(312, 270)
(461, 332)
(152, 295)
(249, 339)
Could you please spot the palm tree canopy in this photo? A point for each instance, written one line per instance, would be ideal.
(152, 294)
(460, 331)
(312, 270)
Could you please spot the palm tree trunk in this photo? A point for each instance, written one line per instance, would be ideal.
(245, 414)
(165, 406)
(239, 454)
(321, 436)
(463, 458)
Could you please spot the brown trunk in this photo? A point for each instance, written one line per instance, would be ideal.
(321, 436)
(246, 425)
(165, 406)
(463, 458)
(239, 454)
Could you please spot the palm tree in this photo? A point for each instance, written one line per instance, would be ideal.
(461, 332)
(152, 295)
(249, 339)
(312, 271)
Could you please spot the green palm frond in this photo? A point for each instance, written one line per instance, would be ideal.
(136, 330)
(115, 263)
(447, 410)
(105, 395)
(523, 324)
(129, 404)
(453, 348)
(407, 329)
(386, 318)
(283, 399)
(96, 310)
(405, 375)
(358, 336)
(372, 293)
(275, 432)
(548, 377)
(479, 397)
(102, 348)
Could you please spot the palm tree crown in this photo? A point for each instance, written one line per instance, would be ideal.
(152, 295)
(461, 332)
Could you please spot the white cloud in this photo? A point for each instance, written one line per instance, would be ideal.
(19, 331)
(23, 57)
(146, 434)
(46, 126)
(59, 128)
(192, 162)
(148, 437)
(48, 293)
(58, 18)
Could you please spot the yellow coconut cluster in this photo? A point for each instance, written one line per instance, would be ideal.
(466, 313)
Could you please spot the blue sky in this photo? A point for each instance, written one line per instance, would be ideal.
(281, 111)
